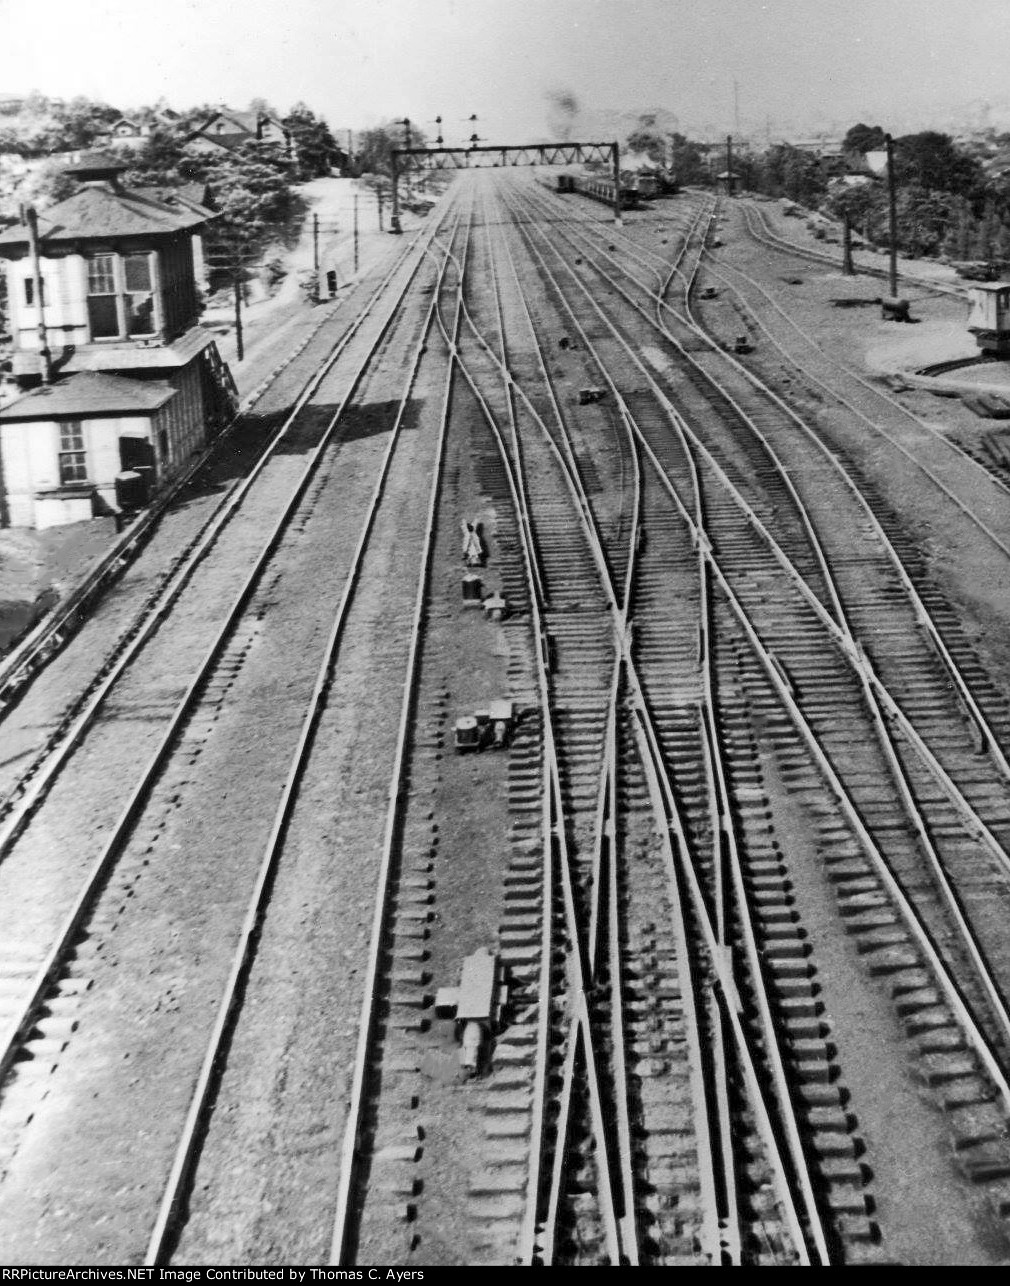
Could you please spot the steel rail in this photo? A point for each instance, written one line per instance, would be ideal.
(349, 1159)
(786, 1114)
(720, 267)
(774, 671)
(781, 243)
(37, 782)
(11, 1037)
(718, 1246)
(574, 959)
(45, 639)
(839, 632)
(217, 1046)
(874, 705)
(604, 835)
(865, 672)
(764, 1121)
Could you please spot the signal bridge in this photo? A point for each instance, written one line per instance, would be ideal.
(461, 158)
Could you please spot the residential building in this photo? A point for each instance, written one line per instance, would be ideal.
(126, 134)
(135, 383)
(229, 129)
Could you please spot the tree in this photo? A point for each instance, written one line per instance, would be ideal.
(315, 148)
(931, 160)
(82, 120)
(687, 160)
(376, 145)
(788, 171)
(162, 161)
(924, 216)
(983, 245)
(957, 244)
(255, 201)
(864, 202)
(864, 138)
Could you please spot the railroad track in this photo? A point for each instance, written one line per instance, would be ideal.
(939, 824)
(31, 655)
(126, 890)
(584, 1215)
(728, 713)
(36, 773)
(956, 473)
(758, 228)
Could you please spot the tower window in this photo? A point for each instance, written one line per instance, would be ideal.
(73, 458)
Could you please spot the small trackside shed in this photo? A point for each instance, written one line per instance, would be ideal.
(63, 445)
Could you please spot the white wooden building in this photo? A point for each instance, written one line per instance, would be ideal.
(119, 305)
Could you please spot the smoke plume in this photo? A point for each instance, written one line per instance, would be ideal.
(562, 112)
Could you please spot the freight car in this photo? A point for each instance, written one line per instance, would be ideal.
(600, 188)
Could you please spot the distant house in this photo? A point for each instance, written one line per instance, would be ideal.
(125, 133)
(821, 146)
(135, 382)
(229, 129)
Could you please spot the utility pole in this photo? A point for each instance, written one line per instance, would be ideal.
(892, 214)
(617, 185)
(315, 242)
(378, 193)
(847, 267)
(239, 347)
(355, 232)
(729, 164)
(394, 218)
(45, 357)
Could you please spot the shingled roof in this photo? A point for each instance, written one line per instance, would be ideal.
(89, 393)
(103, 210)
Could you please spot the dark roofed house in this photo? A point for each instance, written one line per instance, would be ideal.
(126, 134)
(229, 129)
(132, 375)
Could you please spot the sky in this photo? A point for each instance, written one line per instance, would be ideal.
(787, 67)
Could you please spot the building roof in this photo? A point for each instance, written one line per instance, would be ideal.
(129, 355)
(190, 196)
(89, 393)
(228, 141)
(101, 210)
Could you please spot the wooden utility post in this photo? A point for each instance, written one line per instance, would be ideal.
(847, 267)
(239, 348)
(394, 218)
(378, 193)
(355, 232)
(892, 214)
(237, 280)
(315, 242)
(617, 184)
(729, 164)
(45, 357)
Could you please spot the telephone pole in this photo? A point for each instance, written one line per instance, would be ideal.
(239, 347)
(892, 215)
(355, 232)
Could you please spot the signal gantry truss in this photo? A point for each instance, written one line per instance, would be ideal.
(461, 158)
